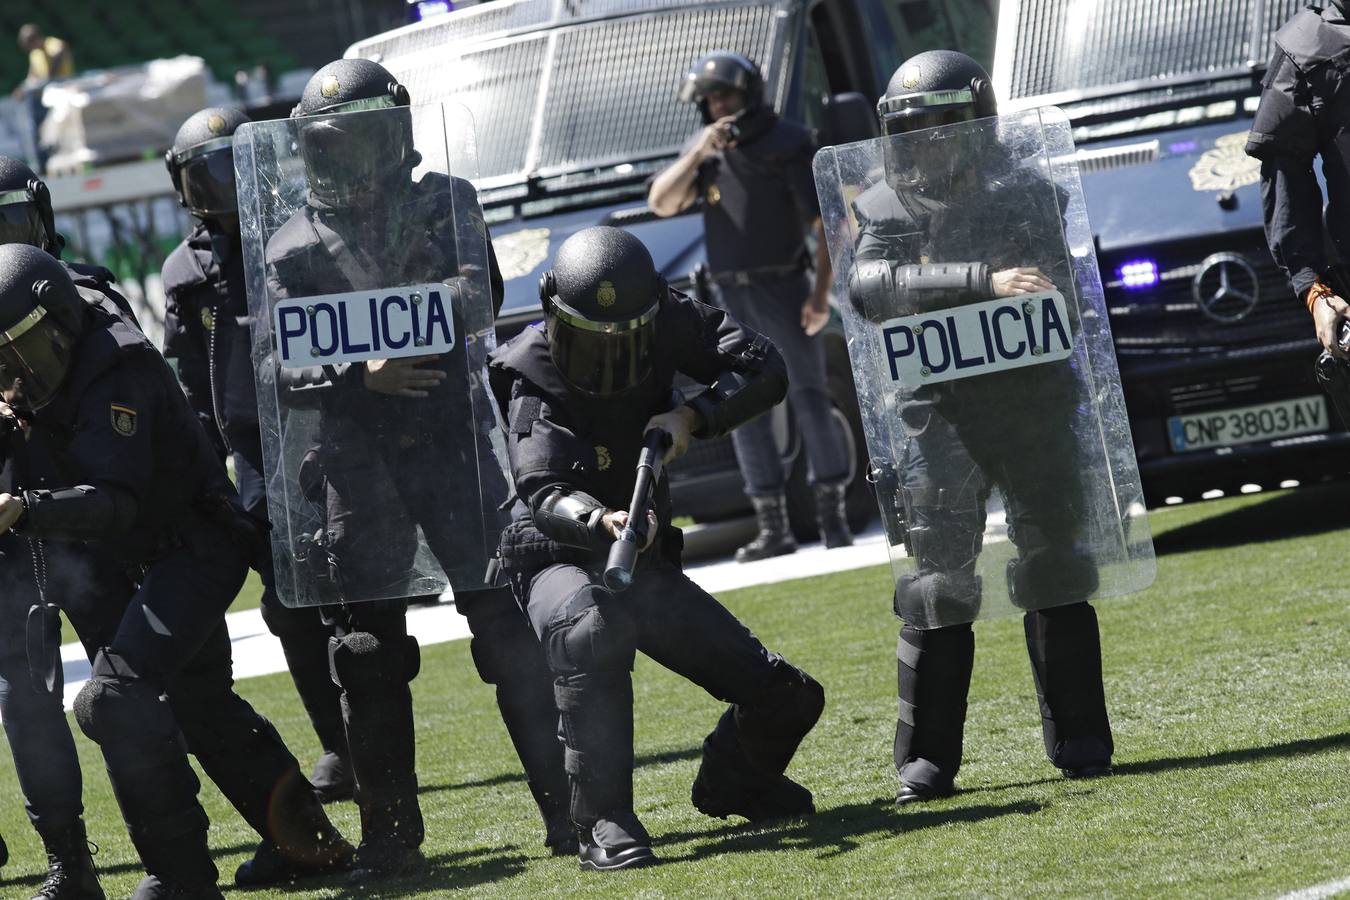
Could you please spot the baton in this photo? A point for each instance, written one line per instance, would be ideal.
(624, 552)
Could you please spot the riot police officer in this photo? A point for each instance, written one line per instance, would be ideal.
(966, 439)
(35, 723)
(577, 397)
(206, 336)
(382, 418)
(120, 484)
(750, 171)
(1304, 109)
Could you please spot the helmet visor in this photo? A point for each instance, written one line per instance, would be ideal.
(913, 112)
(206, 179)
(20, 222)
(35, 355)
(598, 363)
(349, 157)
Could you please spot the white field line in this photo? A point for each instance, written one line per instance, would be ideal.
(1319, 891)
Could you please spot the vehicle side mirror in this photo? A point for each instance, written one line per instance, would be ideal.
(846, 118)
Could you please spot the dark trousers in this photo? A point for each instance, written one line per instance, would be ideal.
(774, 310)
(301, 631)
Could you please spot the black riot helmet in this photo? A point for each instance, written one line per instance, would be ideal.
(937, 87)
(600, 305)
(351, 149)
(41, 317)
(201, 162)
(722, 71)
(26, 208)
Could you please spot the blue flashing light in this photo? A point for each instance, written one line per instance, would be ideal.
(428, 8)
(1182, 147)
(1139, 273)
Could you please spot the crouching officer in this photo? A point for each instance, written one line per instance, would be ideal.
(1303, 114)
(577, 398)
(968, 437)
(385, 429)
(117, 474)
(206, 337)
(39, 736)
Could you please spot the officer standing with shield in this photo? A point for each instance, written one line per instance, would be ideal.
(578, 398)
(403, 471)
(974, 369)
(148, 550)
(206, 337)
(750, 172)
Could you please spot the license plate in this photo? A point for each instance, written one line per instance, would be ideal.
(1248, 424)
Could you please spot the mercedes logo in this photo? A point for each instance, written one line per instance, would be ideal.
(1226, 288)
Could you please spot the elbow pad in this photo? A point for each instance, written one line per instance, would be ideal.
(572, 518)
(80, 513)
(879, 290)
(757, 384)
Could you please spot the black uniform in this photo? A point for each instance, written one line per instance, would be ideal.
(151, 555)
(561, 442)
(1305, 106)
(968, 436)
(758, 202)
(366, 442)
(206, 336)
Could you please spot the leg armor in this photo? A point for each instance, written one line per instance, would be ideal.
(933, 674)
(747, 752)
(508, 656)
(1048, 571)
(148, 767)
(1066, 661)
(946, 541)
(374, 672)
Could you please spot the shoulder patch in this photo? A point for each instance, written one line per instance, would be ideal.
(123, 419)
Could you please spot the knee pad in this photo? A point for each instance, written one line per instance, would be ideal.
(757, 739)
(788, 707)
(117, 706)
(937, 598)
(363, 664)
(1043, 575)
(591, 633)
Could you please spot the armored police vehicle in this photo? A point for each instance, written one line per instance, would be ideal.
(575, 107)
(1215, 352)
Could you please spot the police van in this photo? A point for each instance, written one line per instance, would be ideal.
(1215, 352)
(575, 108)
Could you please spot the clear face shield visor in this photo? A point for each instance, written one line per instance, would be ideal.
(601, 358)
(35, 355)
(21, 220)
(919, 163)
(351, 150)
(206, 178)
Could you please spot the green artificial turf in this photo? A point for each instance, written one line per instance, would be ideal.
(1226, 681)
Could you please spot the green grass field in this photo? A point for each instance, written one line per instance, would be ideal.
(1227, 684)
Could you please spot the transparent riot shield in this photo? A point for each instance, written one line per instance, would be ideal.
(371, 307)
(977, 330)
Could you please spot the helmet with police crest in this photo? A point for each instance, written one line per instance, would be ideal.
(936, 88)
(722, 70)
(41, 317)
(351, 144)
(25, 208)
(201, 162)
(600, 302)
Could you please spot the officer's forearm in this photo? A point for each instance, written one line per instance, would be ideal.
(672, 191)
(876, 287)
(80, 513)
(758, 385)
(570, 517)
(1291, 201)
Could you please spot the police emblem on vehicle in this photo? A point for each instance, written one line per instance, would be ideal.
(123, 419)
(1226, 288)
(385, 323)
(605, 296)
(602, 458)
(1226, 166)
(977, 339)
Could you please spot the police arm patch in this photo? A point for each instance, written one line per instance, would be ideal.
(123, 419)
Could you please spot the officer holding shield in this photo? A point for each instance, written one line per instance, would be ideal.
(577, 398)
(148, 548)
(206, 338)
(955, 222)
(392, 459)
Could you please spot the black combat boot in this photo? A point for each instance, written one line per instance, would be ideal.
(301, 841)
(152, 887)
(70, 866)
(775, 533)
(832, 514)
